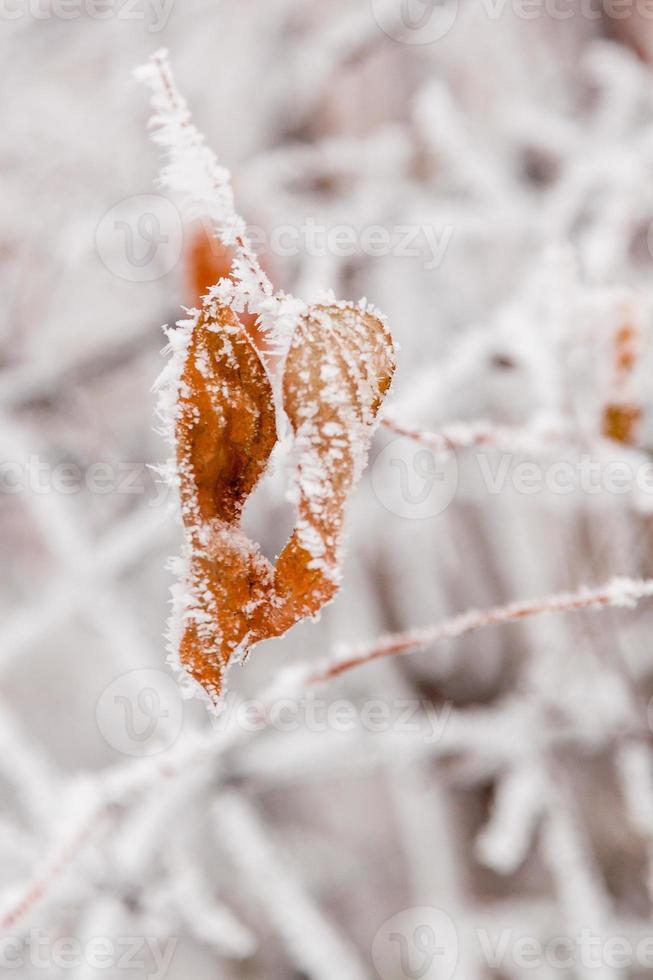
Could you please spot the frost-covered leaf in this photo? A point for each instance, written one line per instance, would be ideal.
(339, 368)
(338, 360)
(225, 432)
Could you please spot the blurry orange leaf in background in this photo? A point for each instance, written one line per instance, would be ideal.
(208, 260)
(620, 422)
(620, 415)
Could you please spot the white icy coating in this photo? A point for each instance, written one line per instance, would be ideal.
(192, 171)
(168, 387)
(353, 349)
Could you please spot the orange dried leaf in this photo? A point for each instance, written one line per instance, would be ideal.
(225, 432)
(339, 368)
(218, 395)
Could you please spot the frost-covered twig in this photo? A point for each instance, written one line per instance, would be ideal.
(311, 939)
(467, 435)
(199, 909)
(133, 537)
(617, 592)
(518, 803)
(92, 805)
(582, 897)
(634, 764)
(193, 171)
(292, 684)
(81, 826)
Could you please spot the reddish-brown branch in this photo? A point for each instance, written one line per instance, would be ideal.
(40, 886)
(618, 592)
(468, 435)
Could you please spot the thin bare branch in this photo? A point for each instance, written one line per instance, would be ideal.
(468, 435)
(617, 592)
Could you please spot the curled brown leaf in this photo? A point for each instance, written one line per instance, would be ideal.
(225, 432)
(338, 370)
